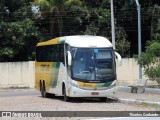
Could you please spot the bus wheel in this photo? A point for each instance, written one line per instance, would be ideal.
(43, 91)
(66, 98)
(103, 99)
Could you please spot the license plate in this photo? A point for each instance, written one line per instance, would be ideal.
(94, 93)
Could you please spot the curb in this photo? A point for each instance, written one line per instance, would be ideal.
(138, 102)
(147, 90)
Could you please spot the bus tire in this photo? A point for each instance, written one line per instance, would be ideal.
(66, 98)
(43, 91)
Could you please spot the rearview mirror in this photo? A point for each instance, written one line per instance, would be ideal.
(119, 58)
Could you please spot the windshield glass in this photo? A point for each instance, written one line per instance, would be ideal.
(92, 63)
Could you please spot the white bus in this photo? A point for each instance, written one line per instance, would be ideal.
(76, 66)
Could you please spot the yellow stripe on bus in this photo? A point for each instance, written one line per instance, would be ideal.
(50, 42)
(88, 85)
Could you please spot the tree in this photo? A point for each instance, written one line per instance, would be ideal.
(54, 10)
(18, 40)
(99, 22)
(151, 62)
(74, 15)
(18, 33)
(126, 16)
(150, 59)
(122, 44)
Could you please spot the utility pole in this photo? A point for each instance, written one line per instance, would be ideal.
(112, 25)
(139, 31)
(139, 36)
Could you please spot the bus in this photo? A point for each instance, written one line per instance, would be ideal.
(76, 66)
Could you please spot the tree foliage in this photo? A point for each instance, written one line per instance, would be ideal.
(21, 27)
(150, 61)
(54, 10)
(18, 33)
(18, 40)
(122, 44)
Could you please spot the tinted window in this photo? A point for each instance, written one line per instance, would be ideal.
(50, 53)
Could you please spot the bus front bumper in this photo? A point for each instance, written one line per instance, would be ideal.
(78, 92)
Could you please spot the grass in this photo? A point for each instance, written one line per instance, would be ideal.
(150, 105)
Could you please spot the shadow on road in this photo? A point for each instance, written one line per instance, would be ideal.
(83, 100)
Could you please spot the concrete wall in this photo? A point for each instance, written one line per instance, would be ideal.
(17, 74)
(21, 74)
(128, 73)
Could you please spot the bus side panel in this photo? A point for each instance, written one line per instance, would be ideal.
(54, 74)
(43, 73)
(58, 76)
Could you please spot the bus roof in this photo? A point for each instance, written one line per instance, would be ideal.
(80, 41)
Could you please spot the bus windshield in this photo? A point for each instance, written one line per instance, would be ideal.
(92, 64)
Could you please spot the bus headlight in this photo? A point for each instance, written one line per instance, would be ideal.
(74, 84)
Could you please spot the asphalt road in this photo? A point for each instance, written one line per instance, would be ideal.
(18, 92)
(31, 100)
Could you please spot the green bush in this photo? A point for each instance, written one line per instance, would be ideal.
(150, 61)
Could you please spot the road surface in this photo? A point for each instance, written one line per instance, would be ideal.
(30, 100)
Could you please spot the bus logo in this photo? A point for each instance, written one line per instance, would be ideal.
(44, 67)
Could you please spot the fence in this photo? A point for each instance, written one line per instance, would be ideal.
(22, 74)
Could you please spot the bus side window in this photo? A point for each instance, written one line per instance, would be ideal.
(52, 54)
(62, 54)
(56, 53)
(40, 54)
